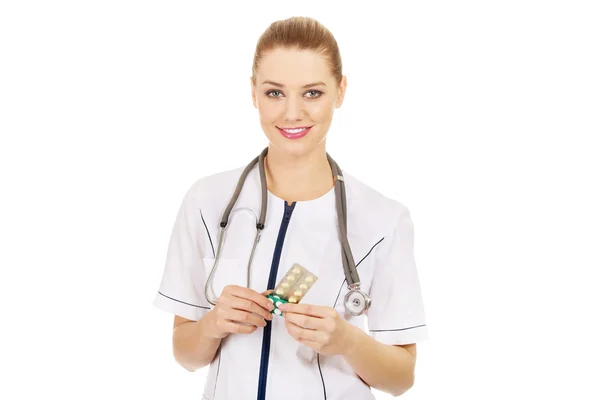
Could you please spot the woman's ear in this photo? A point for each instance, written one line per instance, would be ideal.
(253, 91)
(341, 92)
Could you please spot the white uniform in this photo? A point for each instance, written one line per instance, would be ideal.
(269, 363)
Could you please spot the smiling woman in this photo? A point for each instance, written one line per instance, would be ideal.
(296, 94)
(311, 215)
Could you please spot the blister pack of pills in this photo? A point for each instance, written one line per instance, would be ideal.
(293, 286)
(277, 301)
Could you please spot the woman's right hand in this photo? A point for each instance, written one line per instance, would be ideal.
(239, 310)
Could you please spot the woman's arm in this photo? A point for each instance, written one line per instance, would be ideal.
(194, 346)
(385, 367)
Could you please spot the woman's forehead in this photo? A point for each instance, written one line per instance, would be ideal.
(294, 68)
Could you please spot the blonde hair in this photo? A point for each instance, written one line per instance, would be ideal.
(302, 33)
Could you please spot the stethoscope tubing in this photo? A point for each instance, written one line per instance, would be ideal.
(355, 296)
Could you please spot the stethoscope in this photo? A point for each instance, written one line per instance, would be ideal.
(356, 301)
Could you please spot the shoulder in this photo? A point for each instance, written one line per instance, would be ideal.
(372, 209)
(213, 187)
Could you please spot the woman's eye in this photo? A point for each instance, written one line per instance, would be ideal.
(272, 91)
(318, 94)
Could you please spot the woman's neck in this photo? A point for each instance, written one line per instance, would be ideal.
(298, 179)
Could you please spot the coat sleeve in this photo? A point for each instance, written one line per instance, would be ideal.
(397, 314)
(181, 289)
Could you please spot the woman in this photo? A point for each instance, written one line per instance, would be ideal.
(316, 349)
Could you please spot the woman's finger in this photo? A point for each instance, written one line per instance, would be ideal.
(305, 321)
(232, 327)
(250, 295)
(244, 317)
(243, 304)
(300, 333)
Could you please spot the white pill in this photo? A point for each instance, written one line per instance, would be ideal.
(285, 285)
(293, 299)
(280, 291)
(277, 311)
(276, 296)
(298, 293)
(309, 279)
(303, 286)
(290, 277)
(297, 270)
(278, 303)
(270, 299)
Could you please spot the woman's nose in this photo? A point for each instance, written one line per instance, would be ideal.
(294, 109)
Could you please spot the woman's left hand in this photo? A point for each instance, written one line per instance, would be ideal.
(321, 328)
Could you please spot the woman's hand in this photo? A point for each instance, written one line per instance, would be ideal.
(319, 327)
(239, 310)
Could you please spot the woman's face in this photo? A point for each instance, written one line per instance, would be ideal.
(296, 89)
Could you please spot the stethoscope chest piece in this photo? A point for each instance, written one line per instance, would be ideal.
(357, 302)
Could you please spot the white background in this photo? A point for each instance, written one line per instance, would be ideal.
(481, 117)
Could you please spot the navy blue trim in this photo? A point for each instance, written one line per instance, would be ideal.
(395, 330)
(266, 343)
(193, 305)
(321, 373)
(207, 231)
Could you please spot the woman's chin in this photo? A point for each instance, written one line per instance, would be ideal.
(295, 148)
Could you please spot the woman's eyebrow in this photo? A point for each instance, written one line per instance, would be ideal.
(303, 87)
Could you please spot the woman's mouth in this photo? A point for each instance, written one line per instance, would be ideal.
(295, 133)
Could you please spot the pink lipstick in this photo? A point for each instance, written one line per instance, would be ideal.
(295, 133)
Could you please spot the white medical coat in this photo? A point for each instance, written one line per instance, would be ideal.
(380, 234)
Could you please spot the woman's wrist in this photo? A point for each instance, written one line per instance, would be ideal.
(352, 338)
(207, 326)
